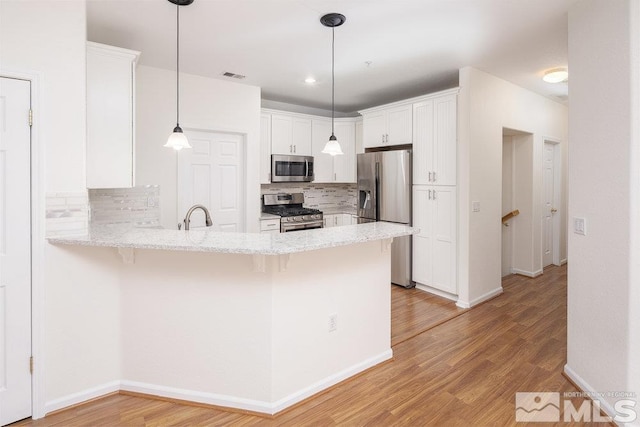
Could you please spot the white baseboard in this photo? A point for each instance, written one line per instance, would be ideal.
(438, 292)
(196, 396)
(330, 381)
(563, 261)
(527, 273)
(217, 399)
(82, 396)
(604, 405)
(481, 298)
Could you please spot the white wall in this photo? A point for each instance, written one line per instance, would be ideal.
(46, 40)
(488, 104)
(603, 348)
(208, 104)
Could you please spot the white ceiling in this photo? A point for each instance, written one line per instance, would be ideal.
(414, 46)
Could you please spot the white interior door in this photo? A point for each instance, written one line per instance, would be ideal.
(548, 209)
(212, 174)
(15, 250)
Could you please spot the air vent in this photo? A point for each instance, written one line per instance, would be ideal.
(233, 75)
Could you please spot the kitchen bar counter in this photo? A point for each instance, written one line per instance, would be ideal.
(207, 240)
(256, 322)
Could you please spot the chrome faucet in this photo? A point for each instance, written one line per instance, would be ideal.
(207, 217)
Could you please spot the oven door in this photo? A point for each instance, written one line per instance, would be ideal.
(291, 168)
(297, 226)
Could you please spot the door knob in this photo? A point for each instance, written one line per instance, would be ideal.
(554, 210)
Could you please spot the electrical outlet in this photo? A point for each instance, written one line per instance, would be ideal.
(151, 202)
(475, 206)
(580, 226)
(333, 322)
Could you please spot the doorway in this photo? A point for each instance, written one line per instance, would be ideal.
(212, 174)
(15, 250)
(518, 243)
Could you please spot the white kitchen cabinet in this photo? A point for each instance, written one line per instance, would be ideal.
(339, 219)
(359, 136)
(434, 248)
(290, 134)
(271, 225)
(329, 168)
(435, 140)
(344, 167)
(265, 148)
(384, 126)
(322, 163)
(110, 146)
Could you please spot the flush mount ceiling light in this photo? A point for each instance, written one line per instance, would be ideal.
(556, 75)
(309, 80)
(177, 140)
(333, 20)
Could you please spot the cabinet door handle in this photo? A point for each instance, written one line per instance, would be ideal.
(291, 148)
(429, 194)
(434, 194)
(429, 176)
(294, 148)
(434, 177)
(335, 176)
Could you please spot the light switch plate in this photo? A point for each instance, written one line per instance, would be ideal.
(580, 226)
(475, 206)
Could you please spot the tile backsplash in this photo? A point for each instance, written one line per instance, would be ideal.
(67, 214)
(139, 206)
(319, 196)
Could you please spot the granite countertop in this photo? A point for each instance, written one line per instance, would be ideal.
(207, 240)
(335, 211)
(265, 215)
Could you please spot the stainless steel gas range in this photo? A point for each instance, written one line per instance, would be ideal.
(293, 216)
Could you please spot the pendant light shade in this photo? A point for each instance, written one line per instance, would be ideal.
(332, 147)
(333, 20)
(178, 140)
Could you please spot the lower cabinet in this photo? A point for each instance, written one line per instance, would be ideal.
(270, 225)
(434, 248)
(336, 220)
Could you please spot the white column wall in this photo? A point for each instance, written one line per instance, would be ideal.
(76, 295)
(209, 104)
(603, 348)
(488, 104)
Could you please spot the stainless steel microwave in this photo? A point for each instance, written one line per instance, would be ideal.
(291, 168)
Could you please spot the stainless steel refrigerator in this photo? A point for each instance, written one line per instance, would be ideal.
(384, 194)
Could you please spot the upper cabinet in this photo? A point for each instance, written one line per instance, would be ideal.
(435, 139)
(387, 125)
(110, 116)
(344, 167)
(265, 148)
(287, 133)
(329, 168)
(290, 135)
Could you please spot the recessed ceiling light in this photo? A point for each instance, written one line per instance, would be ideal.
(556, 75)
(309, 80)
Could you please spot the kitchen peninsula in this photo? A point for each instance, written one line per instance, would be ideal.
(251, 321)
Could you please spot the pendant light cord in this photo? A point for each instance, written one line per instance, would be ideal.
(178, 64)
(333, 78)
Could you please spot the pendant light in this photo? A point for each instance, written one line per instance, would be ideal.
(177, 140)
(332, 20)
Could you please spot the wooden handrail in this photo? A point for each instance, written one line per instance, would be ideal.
(510, 215)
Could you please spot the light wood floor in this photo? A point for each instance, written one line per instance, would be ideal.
(464, 371)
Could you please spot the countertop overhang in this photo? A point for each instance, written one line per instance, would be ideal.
(207, 240)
